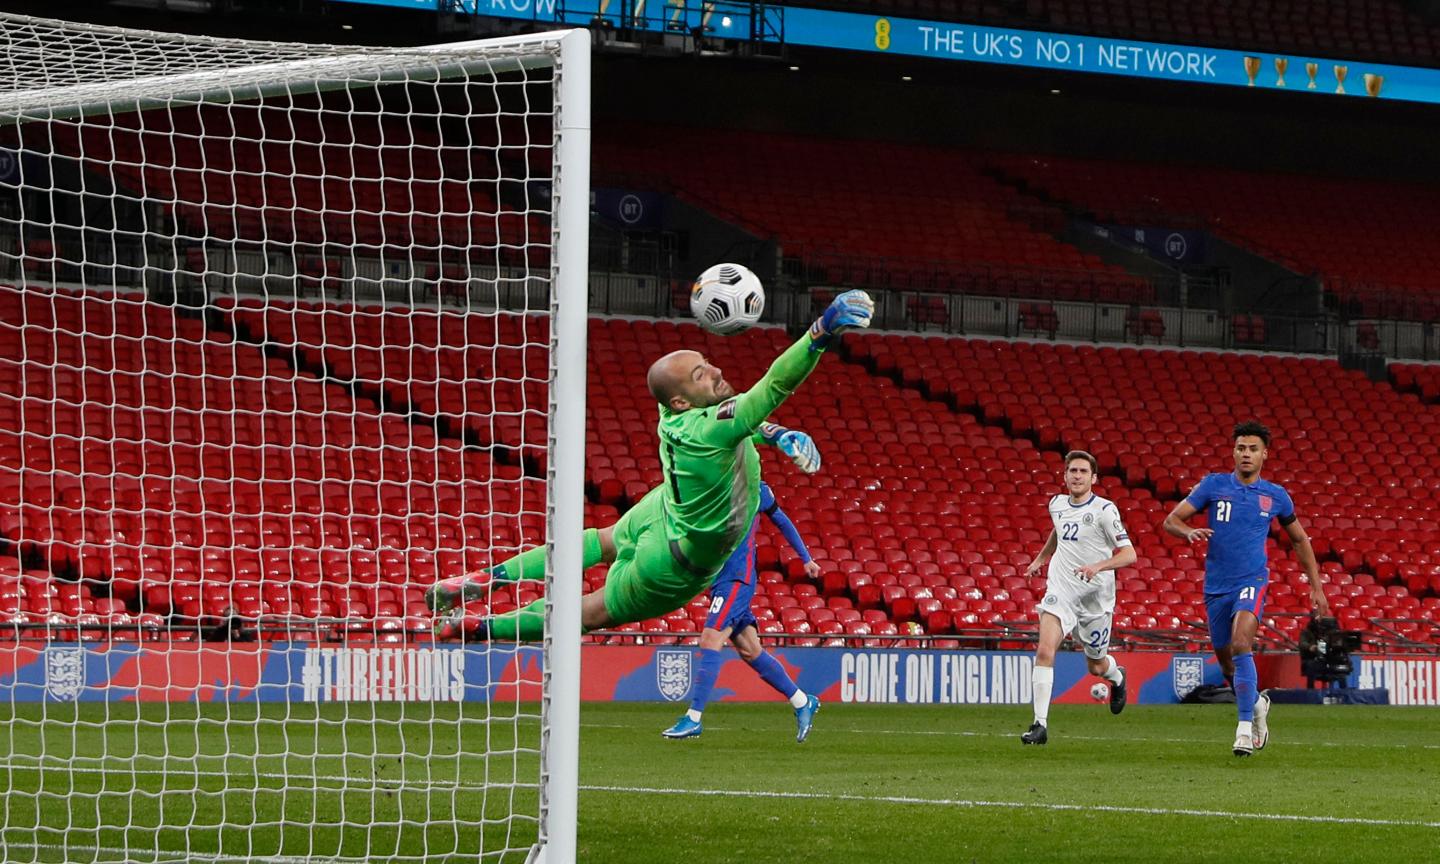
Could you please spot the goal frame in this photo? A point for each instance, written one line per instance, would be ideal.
(338, 67)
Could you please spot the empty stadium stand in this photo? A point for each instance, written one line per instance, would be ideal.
(315, 467)
(869, 212)
(1160, 419)
(319, 188)
(1368, 240)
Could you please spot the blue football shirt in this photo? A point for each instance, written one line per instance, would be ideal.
(1240, 516)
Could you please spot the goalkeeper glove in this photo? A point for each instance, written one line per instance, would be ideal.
(797, 445)
(801, 449)
(850, 310)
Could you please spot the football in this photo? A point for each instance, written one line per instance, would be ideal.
(1099, 692)
(727, 298)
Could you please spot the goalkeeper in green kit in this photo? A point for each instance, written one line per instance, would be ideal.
(668, 547)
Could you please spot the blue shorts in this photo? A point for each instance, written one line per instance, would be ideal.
(1220, 609)
(733, 590)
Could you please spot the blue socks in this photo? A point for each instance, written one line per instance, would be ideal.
(766, 666)
(772, 673)
(705, 679)
(1246, 683)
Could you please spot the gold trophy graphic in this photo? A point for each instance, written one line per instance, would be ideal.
(1311, 70)
(1373, 83)
(1281, 64)
(1340, 73)
(1252, 68)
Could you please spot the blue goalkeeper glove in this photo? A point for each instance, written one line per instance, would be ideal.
(797, 445)
(848, 311)
(801, 449)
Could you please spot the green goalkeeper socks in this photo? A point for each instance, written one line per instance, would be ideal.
(526, 624)
(530, 564)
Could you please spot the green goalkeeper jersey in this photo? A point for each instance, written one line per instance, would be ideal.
(712, 472)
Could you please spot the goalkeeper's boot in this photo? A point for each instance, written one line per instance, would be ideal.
(457, 624)
(684, 728)
(1260, 728)
(1117, 693)
(458, 590)
(1035, 735)
(805, 718)
(1244, 744)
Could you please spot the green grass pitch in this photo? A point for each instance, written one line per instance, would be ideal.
(873, 783)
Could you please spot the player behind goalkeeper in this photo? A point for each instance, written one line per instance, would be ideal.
(730, 618)
(668, 547)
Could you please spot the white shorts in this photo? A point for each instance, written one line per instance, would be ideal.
(1085, 615)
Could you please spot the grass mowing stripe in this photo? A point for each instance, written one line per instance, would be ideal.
(879, 799)
(1012, 805)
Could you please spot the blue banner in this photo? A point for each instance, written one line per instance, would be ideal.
(849, 31)
(309, 672)
(1108, 56)
(421, 672)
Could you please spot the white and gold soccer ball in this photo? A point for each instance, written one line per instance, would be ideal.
(1099, 692)
(727, 298)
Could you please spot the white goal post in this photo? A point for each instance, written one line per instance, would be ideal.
(287, 333)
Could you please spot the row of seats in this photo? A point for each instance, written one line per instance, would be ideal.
(144, 455)
(930, 456)
(934, 220)
(1180, 431)
(1366, 239)
(322, 177)
(485, 375)
(940, 458)
(885, 215)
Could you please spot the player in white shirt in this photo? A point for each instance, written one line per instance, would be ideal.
(1086, 546)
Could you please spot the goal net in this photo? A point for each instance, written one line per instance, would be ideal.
(287, 333)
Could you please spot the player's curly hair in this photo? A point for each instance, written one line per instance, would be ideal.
(1252, 427)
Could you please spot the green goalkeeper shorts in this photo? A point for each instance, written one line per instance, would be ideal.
(646, 580)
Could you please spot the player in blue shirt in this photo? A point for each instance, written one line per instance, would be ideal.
(730, 618)
(1238, 508)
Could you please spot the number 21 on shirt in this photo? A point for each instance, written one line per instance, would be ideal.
(1222, 511)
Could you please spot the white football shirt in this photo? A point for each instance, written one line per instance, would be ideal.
(1084, 534)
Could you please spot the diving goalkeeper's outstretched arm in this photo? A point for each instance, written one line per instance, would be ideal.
(850, 310)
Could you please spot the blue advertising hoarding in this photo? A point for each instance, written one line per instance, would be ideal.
(849, 31)
(311, 672)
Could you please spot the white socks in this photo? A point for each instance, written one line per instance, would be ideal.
(1112, 674)
(798, 699)
(1245, 728)
(694, 715)
(1043, 679)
